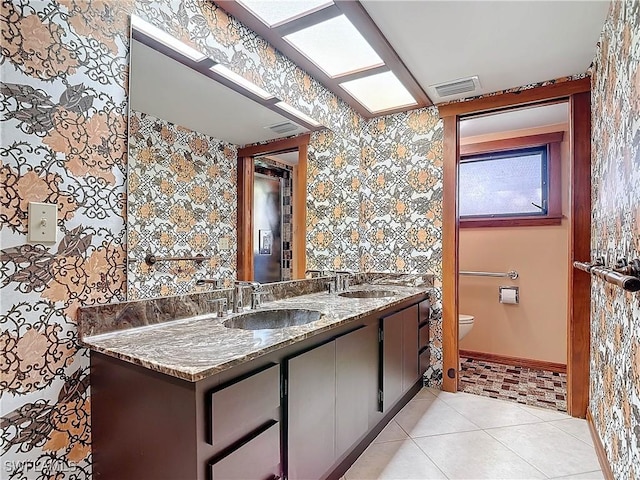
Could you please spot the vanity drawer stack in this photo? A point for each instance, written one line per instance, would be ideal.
(424, 314)
(243, 426)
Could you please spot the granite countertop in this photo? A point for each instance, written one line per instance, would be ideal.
(198, 347)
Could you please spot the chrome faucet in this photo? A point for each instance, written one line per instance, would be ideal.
(214, 281)
(237, 295)
(315, 273)
(343, 278)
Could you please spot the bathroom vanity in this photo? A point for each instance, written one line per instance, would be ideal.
(195, 399)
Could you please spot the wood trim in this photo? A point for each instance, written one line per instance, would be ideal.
(299, 198)
(281, 145)
(603, 460)
(299, 240)
(519, 98)
(555, 180)
(450, 256)
(515, 361)
(511, 222)
(578, 347)
(245, 218)
(511, 143)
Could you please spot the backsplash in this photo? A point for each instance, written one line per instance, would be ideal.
(615, 314)
(182, 202)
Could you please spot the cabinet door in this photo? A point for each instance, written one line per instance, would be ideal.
(257, 459)
(391, 361)
(356, 385)
(311, 385)
(410, 365)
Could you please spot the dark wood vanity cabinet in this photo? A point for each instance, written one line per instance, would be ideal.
(399, 369)
(331, 391)
(301, 412)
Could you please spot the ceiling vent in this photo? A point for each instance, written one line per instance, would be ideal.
(285, 127)
(464, 85)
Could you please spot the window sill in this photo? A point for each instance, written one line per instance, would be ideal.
(511, 222)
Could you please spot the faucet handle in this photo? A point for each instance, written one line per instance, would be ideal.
(221, 308)
(256, 298)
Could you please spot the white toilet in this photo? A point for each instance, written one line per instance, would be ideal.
(465, 324)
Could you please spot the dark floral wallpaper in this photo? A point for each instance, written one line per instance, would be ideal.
(181, 203)
(615, 315)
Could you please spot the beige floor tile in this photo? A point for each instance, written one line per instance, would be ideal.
(475, 455)
(400, 460)
(549, 449)
(577, 427)
(583, 476)
(545, 414)
(490, 413)
(392, 432)
(420, 418)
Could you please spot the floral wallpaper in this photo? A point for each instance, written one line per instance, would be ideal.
(63, 114)
(333, 186)
(182, 203)
(615, 315)
(377, 205)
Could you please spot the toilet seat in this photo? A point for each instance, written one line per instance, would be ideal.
(463, 319)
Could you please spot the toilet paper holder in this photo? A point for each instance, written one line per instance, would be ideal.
(509, 294)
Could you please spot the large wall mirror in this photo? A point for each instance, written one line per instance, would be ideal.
(188, 120)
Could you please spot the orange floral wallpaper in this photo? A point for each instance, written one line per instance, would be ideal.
(615, 314)
(181, 203)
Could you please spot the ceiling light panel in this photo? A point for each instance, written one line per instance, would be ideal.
(163, 37)
(379, 92)
(297, 113)
(335, 46)
(276, 12)
(241, 81)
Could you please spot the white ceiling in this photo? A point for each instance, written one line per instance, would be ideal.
(506, 43)
(290, 158)
(511, 120)
(166, 89)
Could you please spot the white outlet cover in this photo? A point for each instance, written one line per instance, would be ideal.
(43, 222)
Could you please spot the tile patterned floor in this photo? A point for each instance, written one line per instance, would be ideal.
(440, 435)
(539, 388)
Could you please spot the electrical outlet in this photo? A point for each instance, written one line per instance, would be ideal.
(223, 243)
(43, 222)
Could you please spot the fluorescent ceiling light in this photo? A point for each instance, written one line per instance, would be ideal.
(335, 46)
(294, 111)
(163, 37)
(379, 92)
(275, 12)
(241, 81)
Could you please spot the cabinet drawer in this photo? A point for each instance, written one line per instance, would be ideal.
(424, 311)
(257, 459)
(240, 407)
(423, 336)
(424, 359)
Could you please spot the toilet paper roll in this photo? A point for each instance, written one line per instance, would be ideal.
(509, 295)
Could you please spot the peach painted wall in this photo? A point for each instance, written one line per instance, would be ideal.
(537, 327)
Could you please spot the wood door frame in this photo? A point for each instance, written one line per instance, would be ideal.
(246, 167)
(577, 93)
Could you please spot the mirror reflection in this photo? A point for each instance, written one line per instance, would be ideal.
(185, 131)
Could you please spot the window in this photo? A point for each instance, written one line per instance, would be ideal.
(514, 187)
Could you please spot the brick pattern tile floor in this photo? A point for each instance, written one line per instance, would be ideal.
(539, 388)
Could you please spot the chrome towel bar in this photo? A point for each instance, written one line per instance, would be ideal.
(511, 274)
(624, 275)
